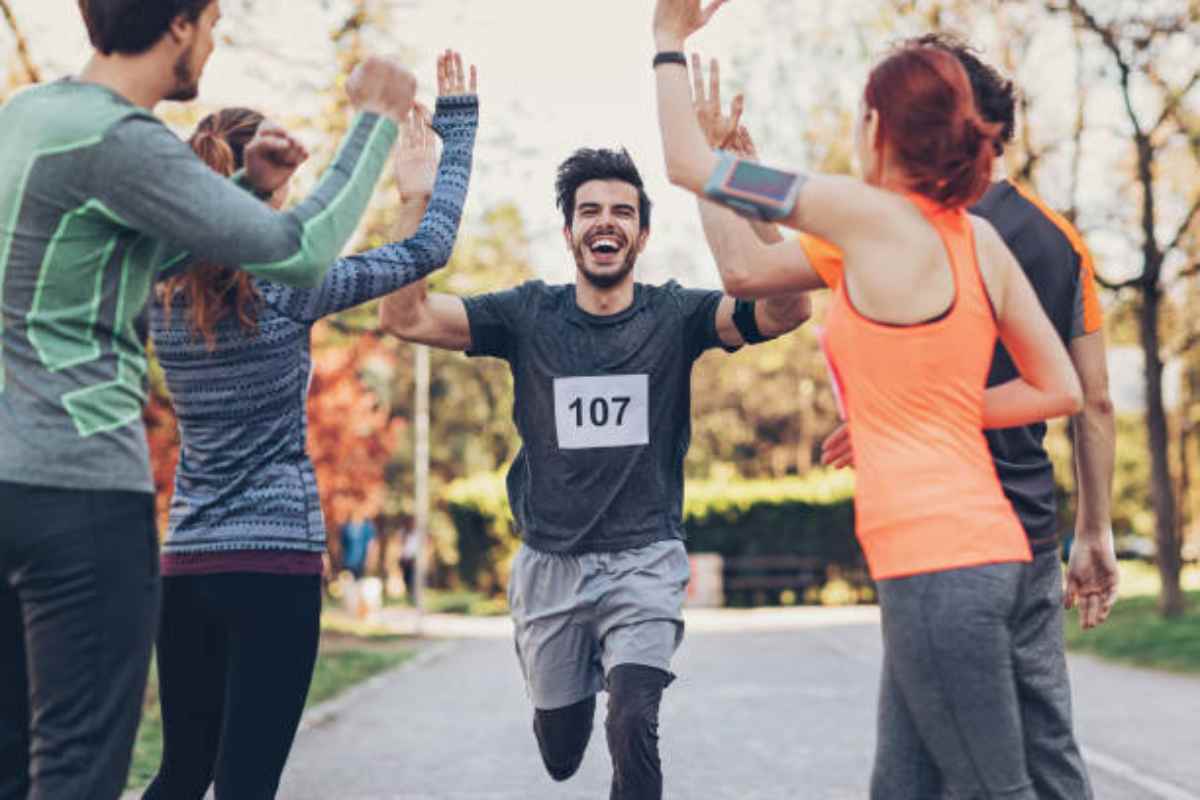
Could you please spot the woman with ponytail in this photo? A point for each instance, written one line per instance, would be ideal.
(926, 291)
(242, 560)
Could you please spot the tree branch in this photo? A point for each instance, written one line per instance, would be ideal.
(1188, 272)
(1175, 99)
(1117, 286)
(22, 45)
(1188, 219)
(1109, 39)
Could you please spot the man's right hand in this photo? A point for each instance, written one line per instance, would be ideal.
(836, 450)
(1092, 578)
(382, 86)
(271, 157)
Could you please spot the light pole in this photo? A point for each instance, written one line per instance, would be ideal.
(421, 477)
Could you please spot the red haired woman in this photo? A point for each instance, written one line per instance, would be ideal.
(926, 292)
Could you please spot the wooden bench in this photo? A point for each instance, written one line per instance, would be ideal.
(760, 580)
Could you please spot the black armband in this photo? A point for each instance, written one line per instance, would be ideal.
(746, 322)
(670, 57)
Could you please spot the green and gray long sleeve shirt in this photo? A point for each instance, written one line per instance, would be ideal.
(96, 196)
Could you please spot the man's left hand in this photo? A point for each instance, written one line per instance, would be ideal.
(836, 450)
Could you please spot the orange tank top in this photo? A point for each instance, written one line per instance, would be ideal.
(927, 496)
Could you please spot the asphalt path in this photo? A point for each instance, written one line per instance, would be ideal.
(772, 704)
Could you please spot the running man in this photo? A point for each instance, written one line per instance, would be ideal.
(95, 193)
(601, 371)
(1057, 262)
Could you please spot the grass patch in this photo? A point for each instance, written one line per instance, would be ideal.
(1135, 633)
(337, 625)
(147, 748)
(344, 661)
(438, 601)
(338, 671)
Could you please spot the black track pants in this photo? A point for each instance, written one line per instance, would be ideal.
(235, 657)
(634, 695)
(79, 598)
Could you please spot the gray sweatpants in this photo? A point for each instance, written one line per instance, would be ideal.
(578, 616)
(974, 700)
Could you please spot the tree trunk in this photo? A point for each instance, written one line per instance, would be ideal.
(1171, 600)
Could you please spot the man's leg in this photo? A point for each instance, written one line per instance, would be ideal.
(88, 586)
(563, 735)
(641, 619)
(14, 696)
(558, 652)
(1040, 662)
(192, 655)
(949, 644)
(634, 694)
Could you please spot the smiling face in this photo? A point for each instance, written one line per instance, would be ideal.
(605, 235)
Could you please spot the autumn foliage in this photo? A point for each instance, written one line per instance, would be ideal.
(351, 435)
(162, 433)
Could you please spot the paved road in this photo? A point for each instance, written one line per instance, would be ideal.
(769, 704)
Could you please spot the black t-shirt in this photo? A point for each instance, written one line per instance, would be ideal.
(1057, 264)
(603, 406)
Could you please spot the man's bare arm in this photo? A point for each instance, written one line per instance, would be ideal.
(1092, 571)
(415, 315)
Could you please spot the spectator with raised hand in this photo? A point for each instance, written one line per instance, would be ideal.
(242, 559)
(926, 291)
(97, 194)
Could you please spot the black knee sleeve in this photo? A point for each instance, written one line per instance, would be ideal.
(634, 695)
(562, 736)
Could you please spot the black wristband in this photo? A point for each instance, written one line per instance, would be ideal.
(670, 57)
(746, 322)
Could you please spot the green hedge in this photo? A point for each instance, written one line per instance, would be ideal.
(808, 516)
(812, 516)
(486, 539)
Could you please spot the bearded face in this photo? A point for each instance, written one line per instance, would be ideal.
(605, 236)
(190, 64)
(187, 83)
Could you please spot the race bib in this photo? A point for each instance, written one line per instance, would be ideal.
(602, 411)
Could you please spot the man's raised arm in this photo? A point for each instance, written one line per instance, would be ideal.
(415, 315)
(147, 179)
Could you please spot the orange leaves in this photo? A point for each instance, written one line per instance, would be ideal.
(162, 434)
(351, 436)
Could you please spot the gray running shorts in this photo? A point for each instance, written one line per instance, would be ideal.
(578, 616)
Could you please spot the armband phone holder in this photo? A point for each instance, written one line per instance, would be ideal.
(751, 189)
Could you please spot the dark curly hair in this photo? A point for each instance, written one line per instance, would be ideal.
(995, 95)
(586, 165)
